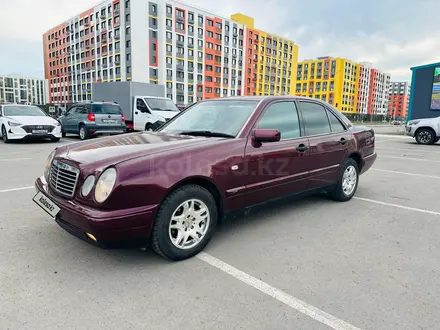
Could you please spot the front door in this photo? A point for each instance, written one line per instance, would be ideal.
(329, 141)
(275, 169)
(142, 115)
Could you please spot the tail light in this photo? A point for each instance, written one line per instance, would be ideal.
(91, 117)
(123, 118)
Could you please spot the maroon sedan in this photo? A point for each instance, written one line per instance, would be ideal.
(170, 188)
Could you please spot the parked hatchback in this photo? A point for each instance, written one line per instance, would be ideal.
(93, 118)
(171, 187)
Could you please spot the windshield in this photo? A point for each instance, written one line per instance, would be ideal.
(226, 117)
(108, 109)
(22, 110)
(161, 104)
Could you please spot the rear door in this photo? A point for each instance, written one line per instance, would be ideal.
(329, 141)
(107, 114)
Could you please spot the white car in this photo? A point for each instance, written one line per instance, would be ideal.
(19, 122)
(425, 130)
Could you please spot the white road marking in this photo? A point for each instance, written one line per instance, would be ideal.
(295, 303)
(16, 189)
(13, 159)
(406, 173)
(410, 149)
(410, 158)
(397, 205)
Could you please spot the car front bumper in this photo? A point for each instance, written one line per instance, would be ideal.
(17, 133)
(409, 130)
(108, 227)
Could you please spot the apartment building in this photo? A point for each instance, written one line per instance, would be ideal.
(363, 70)
(330, 79)
(378, 93)
(194, 53)
(23, 90)
(398, 99)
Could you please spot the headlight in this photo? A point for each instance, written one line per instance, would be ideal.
(88, 185)
(105, 184)
(57, 123)
(415, 122)
(13, 124)
(48, 164)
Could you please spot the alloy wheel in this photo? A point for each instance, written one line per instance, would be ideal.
(425, 137)
(349, 180)
(189, 224)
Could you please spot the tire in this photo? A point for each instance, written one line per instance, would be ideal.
(4, 135)
(149, 127)
(163, 236)
(55, 139)
(340, 193)
(436, 140)
(425, 136)
(63, 134)
(83, 134)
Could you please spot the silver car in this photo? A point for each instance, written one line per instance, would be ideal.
(90, 119)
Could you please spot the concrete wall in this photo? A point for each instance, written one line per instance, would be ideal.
(421, 90)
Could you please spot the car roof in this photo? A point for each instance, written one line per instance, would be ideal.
(261, 98)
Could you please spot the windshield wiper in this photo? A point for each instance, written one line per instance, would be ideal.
(207, 133)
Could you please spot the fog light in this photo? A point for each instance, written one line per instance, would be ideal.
(93, 238)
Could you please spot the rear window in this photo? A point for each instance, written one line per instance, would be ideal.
(108, 109)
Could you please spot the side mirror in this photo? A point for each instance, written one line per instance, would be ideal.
(266, 135)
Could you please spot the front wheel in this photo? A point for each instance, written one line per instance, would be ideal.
(347, 183)
(149, 128)
(4, 135)
(425, 136)
(185, 223)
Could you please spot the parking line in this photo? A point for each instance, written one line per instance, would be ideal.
(410, 149)
(13, 159)
(16, 189)
(406, 173)
(410, 158)
(397, 205)
(295, 303)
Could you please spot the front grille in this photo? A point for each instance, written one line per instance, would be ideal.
(30, 128)
(63, 178)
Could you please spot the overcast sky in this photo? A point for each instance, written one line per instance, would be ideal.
(392, 34)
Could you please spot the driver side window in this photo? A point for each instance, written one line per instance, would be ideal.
(282, 116)
(141, 106)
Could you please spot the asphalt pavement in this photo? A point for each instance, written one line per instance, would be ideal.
(310, 263)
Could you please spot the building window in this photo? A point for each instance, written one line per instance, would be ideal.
(169, 35)
(180, 13)
(153, 8)
(169, 10)
(169, 22)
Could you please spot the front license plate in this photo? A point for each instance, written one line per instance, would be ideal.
(39, 131)
(109, 121)
(46, 204)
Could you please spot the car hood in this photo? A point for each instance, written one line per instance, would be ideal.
(112, 150)
(33, 120)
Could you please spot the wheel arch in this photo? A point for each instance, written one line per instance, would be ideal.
(356, 156)
(206, 183)
(425, 127)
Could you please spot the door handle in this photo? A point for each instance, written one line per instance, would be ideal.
(343, 141)
(301, 148)
(136, 113)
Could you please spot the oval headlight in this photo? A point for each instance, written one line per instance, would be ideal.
(105, 184)
(88, 185)
(48, 164)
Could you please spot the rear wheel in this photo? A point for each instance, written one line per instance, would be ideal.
(185, 223)
(83, 135)
(425, 136)
(4, 135)
(348, 181)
